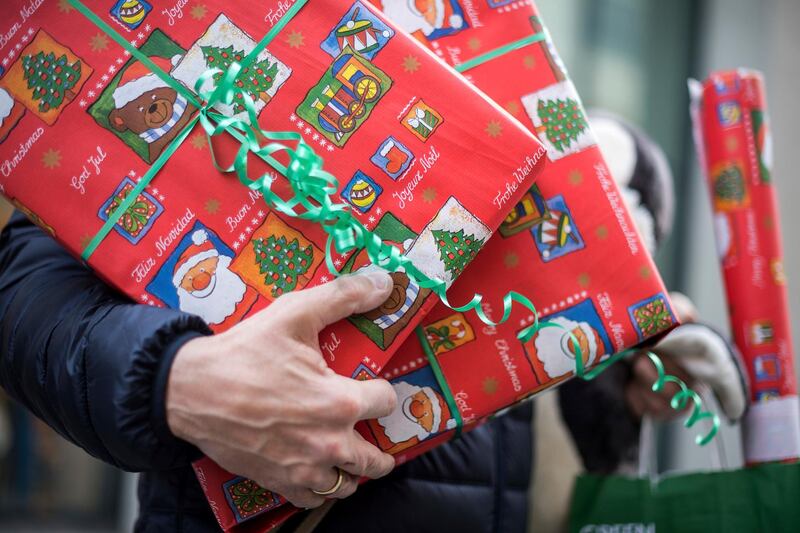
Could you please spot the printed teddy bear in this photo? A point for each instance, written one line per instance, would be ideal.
(146, 105)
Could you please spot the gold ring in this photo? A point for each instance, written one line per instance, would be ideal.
(335, 486)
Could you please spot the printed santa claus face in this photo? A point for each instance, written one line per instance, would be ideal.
(200, 279)
(10, 113)
(204, 282)
(426, 16)
(6, 105)
(420, 413)
(556, 348)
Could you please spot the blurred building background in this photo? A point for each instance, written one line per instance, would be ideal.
(632, 57)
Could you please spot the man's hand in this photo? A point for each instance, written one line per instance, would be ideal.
(260, 400)
(639, 394)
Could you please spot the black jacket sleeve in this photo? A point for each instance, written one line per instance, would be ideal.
(83, 358)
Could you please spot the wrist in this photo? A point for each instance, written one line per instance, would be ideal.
(173, 376)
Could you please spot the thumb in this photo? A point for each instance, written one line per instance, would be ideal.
(340, 298)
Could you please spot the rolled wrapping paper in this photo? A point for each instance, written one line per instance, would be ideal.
(734, 146)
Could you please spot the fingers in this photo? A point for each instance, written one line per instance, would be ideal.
(641, 398)
(366, 460)
(303, 498)
(672, 367)
(374, 398)
(307, 479)
(339, 299)
(644, 371)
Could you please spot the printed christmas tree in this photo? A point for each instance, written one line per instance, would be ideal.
(50, 79)
(255, 80)
(282, 262)
(563, 121)
(456, 250)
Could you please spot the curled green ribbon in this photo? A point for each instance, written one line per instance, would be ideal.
(313, 188)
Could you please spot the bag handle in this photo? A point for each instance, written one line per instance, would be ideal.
(648, 445)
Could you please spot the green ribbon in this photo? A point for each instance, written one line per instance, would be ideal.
(441, 380)
(501, 51)
(313, 188)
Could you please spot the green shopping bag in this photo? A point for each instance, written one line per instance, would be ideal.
(763, 498)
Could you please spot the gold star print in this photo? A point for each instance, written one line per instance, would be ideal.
(410, 64)
(511, 260)
(198, 141)
(490, 386)
(583, 280)
(575, 177)
(494, 129)
(512, 107)
(212, 206)
(429, 195)
(645, 272)
(98, 43)
(85, 240)
(51, 159)
(199, 11)
(474, 44)
(64, 6)
(295, 39)
(529, 62)
(602, 232)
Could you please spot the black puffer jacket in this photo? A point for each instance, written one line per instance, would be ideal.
(94, 366)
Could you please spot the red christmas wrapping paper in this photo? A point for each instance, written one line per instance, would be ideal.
(735, 149)
(569, 244)
(80, 123)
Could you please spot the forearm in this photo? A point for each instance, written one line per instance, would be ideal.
(82, 357)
